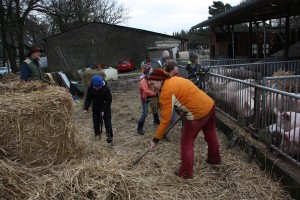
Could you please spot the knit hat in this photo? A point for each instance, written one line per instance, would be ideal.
(34, 48)
(158, 74)
(165, 54)
(97, 81)
(193, 56)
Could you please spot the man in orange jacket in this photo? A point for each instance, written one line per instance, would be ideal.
(200, 115)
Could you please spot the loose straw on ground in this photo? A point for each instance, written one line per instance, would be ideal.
(98, 171)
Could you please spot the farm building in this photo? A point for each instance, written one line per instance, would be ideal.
(269, 28)
(48, 143)
(254, 81)
(98, 43)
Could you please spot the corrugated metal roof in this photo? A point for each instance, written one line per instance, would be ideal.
(254, 10)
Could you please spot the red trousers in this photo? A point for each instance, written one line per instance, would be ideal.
(189, 134)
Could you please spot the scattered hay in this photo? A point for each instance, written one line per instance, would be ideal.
(288, 85)
(9, 78)
(36, 124)
(101, 172)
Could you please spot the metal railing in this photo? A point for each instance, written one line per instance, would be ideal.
(261, 97)
(269, 114)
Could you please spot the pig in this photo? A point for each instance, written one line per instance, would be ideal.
(287, 120)
(275, 134)
(244, 101)
(229, 93)
(217, 84)
(290, 142)
(282, 102)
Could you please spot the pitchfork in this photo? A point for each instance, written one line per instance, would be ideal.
(140, 157)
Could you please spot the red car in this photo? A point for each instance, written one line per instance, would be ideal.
(125, 65)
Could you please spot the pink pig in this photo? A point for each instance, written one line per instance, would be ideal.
(244, 101)
(290, 142)
(287, 120)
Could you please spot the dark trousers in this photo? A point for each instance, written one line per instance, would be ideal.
(97, 120)
(191, 129)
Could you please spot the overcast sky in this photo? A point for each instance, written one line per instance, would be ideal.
(168, 16)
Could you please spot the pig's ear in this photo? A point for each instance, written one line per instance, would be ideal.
(286, 116)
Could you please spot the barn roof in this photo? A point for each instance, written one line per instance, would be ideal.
(254, 10)
(123, 27)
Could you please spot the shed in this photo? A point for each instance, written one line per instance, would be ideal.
(99, 43)
(254, 43)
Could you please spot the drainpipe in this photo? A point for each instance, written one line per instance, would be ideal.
(265, 38)
(287, 38)
(232, 38)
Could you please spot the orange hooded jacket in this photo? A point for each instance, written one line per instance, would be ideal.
(181, 92)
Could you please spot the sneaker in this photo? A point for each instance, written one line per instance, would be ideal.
(177, 174)
(156, 122)
(140, 132)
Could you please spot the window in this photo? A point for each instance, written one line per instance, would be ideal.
(254, 49)
(267, 48)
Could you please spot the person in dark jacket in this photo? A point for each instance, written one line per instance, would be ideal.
(99, 95)
(196, 73)
(31, 68)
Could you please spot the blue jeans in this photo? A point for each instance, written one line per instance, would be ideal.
(145, 114)
(173, 119)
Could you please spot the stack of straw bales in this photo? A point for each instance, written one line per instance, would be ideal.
(36, 123)
(288, 85)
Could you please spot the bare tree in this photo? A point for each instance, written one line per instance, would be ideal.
(108, 11)
(13, 16)
(66, 14)
(17, 17)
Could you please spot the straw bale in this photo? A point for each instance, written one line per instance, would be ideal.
(88, 75)
(288, 85)
(9, 78)
(99, 171)
(36, 122)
